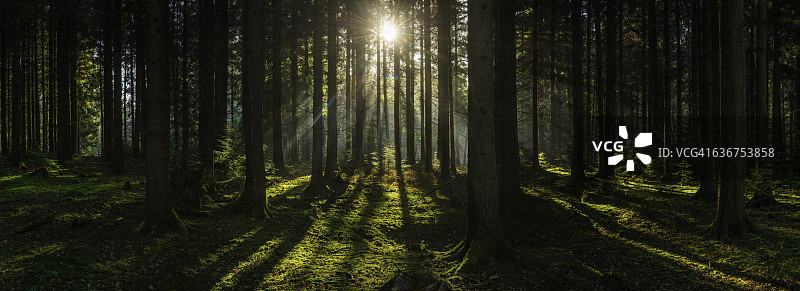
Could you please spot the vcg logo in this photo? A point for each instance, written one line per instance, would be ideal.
(644, 139)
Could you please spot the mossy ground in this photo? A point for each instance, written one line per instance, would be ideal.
(73, 229)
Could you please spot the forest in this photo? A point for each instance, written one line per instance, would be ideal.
(477, 144)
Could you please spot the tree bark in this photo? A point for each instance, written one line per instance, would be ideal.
(64, 124)
(731, 219)
(577, 91)
(444, 65)
(158, 216)
(398, 150)
(610, 96)
(359, 84)
(206, 138)
(253, 201)
(428, 86)
(709, 111)
(118, 157)
(505, 105)
(534, 71)
(220, 72)
(318, 138)
(777, 110)
(277, 93)
(331, 162)
(762, 95)
(483, 205)
(410, 113)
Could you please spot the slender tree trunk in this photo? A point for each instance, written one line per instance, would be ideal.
(553, 144)
(108, 83)
(611, 81)
(679, 134)
(380, 71)
(184, 118)
(398, 150)
(64, 139)
(277, 94)
(253, 201)
(4, 60)
(444, 65)
(778, 139)
(348, 44)
(359, 84)
(483, 204)
(426, 48)
(206, 139)
(709, 112)
(534, 71)
(577, 91)
(141, 47)
(331, 162)
(118, 157)
(762, 95)
(666, 104)
(731, 219)
(505, 106)
(158, 216)
(294, 147)
(411, 158)
(220, 71)
(318, 137)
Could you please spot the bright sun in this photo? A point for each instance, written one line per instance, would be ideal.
(388, 31)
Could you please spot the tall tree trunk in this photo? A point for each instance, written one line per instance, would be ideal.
(577, 91)
(611, 81)
(294, 147)
(331, 162)
(426, 48)
(655, 90)
(679, 134)
(141, 47)
(184, 105)
(411, 158)
(4, 55)
(118, 157)
(731, 219)
(253, 200)
(220, 71)
(359, 84)
(505, 105)
(483, 204)
(158, 216)
(762, 80)
(348, 44)
(206, 139)
(64, 34)
(709, 111)
(108, 82)
(666, 104)
(318, 138)
(444, 65)
(398, 150)
(777, 112)
(553, 144)
(277, 94)
(534, 71)
(380, 71)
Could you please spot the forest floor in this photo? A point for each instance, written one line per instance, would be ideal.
(71, 227)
